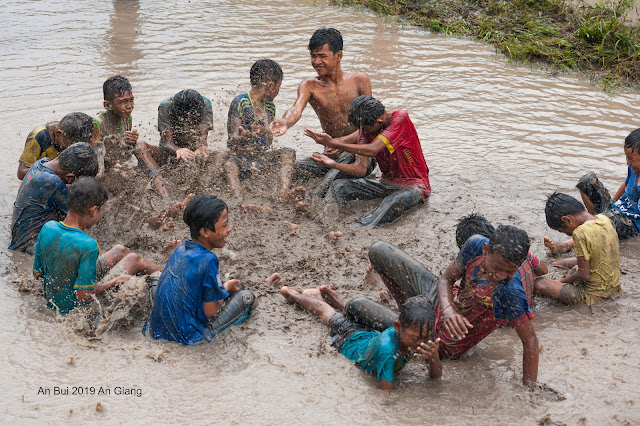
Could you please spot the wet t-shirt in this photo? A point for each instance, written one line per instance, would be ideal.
(597, 242)
(42, 197)
(66, 257)
(629, 204)
(484, 304)
(182, 138)
(376, 353)
(401, 161)
(189, 279)
(242, 107)
(38, 145)
(112, 146)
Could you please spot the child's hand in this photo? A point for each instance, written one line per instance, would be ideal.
(322, 160)
(428, 350)
(278, 127)
(231, 286)
(185, 154)
(131, 136)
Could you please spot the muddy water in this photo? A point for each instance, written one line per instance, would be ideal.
(497, 138)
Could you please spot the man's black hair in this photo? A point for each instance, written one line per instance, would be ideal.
(77, 127)
(418, 310)
(511, 243)
(474, 224)
(202, 212)
(632, 141)
(80, 159)
(115, 86)
(188, 108)
(364, 111)
(558, 205)
(84, 193)
(264, 71)
(323, 36)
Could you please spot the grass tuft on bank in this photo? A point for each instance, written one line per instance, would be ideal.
(594, 39)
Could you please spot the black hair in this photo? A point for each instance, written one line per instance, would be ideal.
(80, 159)
(474, 224)
(511, 243)
(202, 212)
(77, 127)
(323, 36)
(558, 205)
(364, 111)
(115, 86)
(188, 107)
(264, 71)
(418, 310)
(632, 141)
(85, 193)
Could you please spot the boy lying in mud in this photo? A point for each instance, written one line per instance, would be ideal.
(496, 288)
(191, 305)
(596, 275)
(392, 139)
(70, 260)
(250, 138)
(381, 353)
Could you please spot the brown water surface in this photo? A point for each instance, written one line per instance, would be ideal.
(498, 139)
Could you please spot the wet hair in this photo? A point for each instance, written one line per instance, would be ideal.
(511, 243)
(418, 310)
(86, 192)
(474, 224)
(632, 141)
(323, 36)
(80, 159)
(115, 86)
(264, 71)
(76, 127)
(202, 212)
(558, 205)
(364, 111)
(188, 107)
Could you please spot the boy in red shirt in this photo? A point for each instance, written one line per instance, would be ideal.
(392, 139)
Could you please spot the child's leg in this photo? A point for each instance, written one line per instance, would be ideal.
(134, 263)
(594, 194)
(285, 173)
(318, 307)
(332, 297)
(235, 310)
(233, 178)
(115, 254)
(558, 247)
(392, 207)
(567, 262)
(569, 294)
(367, 313)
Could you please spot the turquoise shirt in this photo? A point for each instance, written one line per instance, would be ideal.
(375, 352)
(66, 257)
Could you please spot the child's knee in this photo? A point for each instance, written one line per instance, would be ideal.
(378, 251)
(120, 250)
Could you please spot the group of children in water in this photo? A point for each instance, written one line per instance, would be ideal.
(489, 283)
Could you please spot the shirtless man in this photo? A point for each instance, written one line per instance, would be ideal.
(330, 94)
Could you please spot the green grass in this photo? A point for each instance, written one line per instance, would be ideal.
(593, 39)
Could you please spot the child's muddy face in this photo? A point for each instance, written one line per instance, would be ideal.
(272, 90)
(633, 160)
(498, 268)
(220, 237)
(122, 106)
(411, 337)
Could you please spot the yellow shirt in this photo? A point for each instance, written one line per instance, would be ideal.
(38, 145)
(597, 241)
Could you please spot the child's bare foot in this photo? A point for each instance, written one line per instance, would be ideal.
(302, 207)
(273, 279)
(171, 246)
(167, 226)
(312, 292)
(333, 236)
(291, 225)
(372, 277)
(156, 221)
(161, 186)
(295, 195)
(387, 299)
(332, 297)
(290, 293)
(254, 208)
(556, 247)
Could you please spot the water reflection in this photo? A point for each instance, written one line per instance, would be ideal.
(123, 54)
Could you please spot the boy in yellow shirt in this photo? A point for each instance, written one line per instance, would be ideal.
(595, 240)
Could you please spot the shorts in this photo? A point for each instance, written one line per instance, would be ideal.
(572, 294)
(102, 267)
(594, 189)
(341, 330)
(250, 164)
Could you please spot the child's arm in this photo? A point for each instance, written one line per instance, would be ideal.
(366, 149)
(83, 295)
(581, 275)
(22, 170)
(541, 269)
(527, 335)
(357, 168)
(279, 126)
(620, 192)
(212, 308)
(455, 324)
(429, 352)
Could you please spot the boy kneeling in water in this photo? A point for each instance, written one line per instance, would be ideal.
(192, 306)
(382, 353)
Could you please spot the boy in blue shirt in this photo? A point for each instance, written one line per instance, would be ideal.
(382, 354)
(623, 208)
(70, 260)
(250, 138)
(43, 193)
(191, 305)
